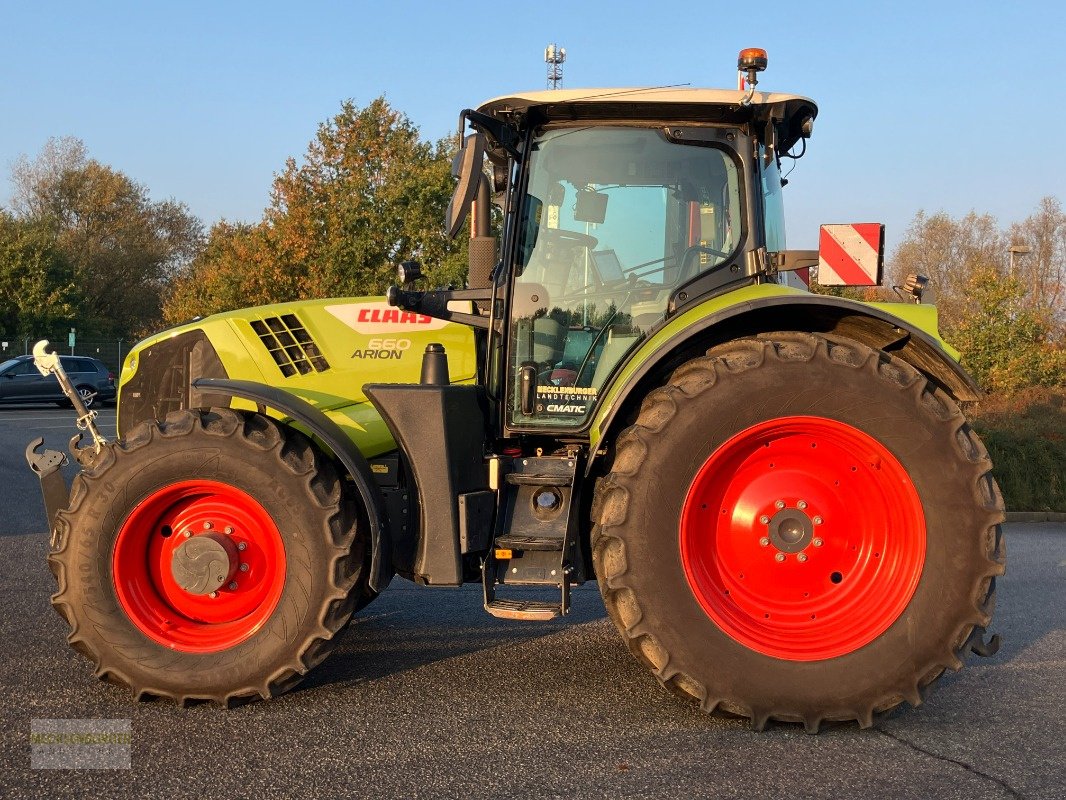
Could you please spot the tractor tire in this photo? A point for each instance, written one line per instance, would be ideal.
(362, 594)
(208, 557)
(799, 528)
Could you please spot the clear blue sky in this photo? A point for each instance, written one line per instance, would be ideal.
(934, 105)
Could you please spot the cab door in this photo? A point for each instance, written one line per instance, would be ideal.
(614, 220)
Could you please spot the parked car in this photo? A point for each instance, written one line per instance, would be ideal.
(20, 382)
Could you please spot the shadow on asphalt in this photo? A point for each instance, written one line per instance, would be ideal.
(391, 636)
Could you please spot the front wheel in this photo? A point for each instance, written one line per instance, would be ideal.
(799, 528)
(211, 556)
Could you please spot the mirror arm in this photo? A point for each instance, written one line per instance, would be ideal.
(481, 215)
(435, 303)
(504, 135)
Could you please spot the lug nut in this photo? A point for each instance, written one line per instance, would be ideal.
(214, 594)
(207, 526)
(764, 541)
(779, 504)
(244, 567)
(817, 542)
(779, 557)
(229, 529)
(233, 586)
(801, 504)
(187, 534)
(242, 545)
(765, 520)
(817, 520)
(801, 557)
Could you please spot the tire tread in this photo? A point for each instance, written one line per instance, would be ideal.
(290, 451)
(700, 375)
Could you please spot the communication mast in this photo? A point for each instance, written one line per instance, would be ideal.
(554, 56)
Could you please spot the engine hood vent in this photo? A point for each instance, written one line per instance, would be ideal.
(290, 345)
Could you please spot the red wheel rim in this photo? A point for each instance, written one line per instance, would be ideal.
(148, 591)
(803, 538)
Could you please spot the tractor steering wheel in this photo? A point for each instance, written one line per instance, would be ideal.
(568, 238)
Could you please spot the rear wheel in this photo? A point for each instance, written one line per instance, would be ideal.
(208, 557)
(799, 528)
(87, 395)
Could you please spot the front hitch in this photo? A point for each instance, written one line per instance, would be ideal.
(46, 464)
(49, 364)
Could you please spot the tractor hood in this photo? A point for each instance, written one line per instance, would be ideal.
(323, 351)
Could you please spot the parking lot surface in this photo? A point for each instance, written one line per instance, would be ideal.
(427, 696)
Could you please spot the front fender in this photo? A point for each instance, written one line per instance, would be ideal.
(907, 331)
(333, 437)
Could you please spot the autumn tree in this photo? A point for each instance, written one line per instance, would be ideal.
(1008, 321)
(1007, 344)
(1042, 271)
(117, 247)
(36, 280)
(369, 193)
(236, 268)
(947, 251)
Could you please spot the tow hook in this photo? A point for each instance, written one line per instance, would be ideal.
(980, 647)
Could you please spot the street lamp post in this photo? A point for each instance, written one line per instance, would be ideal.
(1020, 250)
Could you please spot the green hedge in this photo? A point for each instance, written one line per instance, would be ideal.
(1026, 438)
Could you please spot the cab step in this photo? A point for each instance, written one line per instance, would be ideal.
(516, 541)
(536, 542)
(523, 609)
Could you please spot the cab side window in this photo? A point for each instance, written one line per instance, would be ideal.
(773, 205)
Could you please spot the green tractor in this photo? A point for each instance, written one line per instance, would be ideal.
(787, 515)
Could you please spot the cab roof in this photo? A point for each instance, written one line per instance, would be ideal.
(675, 104)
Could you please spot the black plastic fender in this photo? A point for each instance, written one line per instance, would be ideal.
(330, 433)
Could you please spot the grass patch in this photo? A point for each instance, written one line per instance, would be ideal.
(1026, 437)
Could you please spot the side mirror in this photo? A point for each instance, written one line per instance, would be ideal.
(466, 166)
(851, 255)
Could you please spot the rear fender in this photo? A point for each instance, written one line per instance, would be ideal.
(339, 444)
(909, 332)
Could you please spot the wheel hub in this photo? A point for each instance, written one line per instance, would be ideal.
(202, 564)
(790, 530)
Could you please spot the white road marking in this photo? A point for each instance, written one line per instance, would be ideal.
(58, 427)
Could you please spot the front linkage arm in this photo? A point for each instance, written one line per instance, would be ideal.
(47, 463)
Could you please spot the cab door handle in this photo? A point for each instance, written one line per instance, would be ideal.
(527, 388)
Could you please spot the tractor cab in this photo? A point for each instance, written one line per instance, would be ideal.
(621, 208)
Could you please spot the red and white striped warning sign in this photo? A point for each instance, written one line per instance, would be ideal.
(851, 255)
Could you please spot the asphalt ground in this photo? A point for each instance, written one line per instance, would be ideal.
(427, 696)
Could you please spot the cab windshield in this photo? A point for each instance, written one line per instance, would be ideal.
(615, 219)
